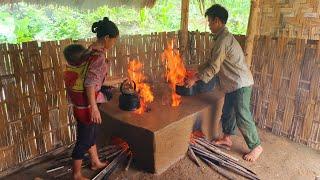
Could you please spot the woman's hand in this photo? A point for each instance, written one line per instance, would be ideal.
(95, 114)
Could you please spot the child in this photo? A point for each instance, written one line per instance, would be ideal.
(84, 77)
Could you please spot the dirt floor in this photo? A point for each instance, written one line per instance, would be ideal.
(281, 159)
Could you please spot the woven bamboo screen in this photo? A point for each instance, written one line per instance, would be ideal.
(293, 19)
(286, 96)
(34, 115)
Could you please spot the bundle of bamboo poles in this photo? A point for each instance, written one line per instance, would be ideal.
(216, 159)
(114, 154)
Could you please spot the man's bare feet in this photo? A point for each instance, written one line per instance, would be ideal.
(254, 154)
(79, 176)
(98, 165)
(224, 141)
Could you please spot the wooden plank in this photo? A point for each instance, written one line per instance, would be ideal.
(184, 28)
(251, 30)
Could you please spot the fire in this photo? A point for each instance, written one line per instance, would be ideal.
(175, 71)
(135, 74)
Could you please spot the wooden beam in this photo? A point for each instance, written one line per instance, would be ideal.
(251, 30)
(184, 27)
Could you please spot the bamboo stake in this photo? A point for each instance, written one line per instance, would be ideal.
(218, 169)
(251, 31)
(129, 162)
(55, 169)
(103, 174)
(193, 157)
(232, 165)
(184, 27)
(214, 149)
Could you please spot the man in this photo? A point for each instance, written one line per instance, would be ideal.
(228, 63)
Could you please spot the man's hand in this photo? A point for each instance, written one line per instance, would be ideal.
(191, 81)
(95, 115)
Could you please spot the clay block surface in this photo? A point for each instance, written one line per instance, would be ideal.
(159, 138)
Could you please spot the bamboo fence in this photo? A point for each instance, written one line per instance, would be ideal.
(286, 18)
(35, 117)
(286, 98)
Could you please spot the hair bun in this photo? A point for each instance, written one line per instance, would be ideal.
(106, 19)
(95, 27)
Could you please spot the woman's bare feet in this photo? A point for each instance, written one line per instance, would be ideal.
(254, 154)
(95, 161)
(224, 141)
(79, 176)
(98, 165)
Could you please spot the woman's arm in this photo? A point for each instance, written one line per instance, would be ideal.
(95, 113)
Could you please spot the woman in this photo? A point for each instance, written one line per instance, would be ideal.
(87, 114)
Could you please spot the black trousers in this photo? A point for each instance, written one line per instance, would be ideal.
(86, 137)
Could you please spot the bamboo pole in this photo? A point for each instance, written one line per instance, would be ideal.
(251, 30)
(184, 28)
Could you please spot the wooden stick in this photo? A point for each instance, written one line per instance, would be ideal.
(193, 157)
(62, 174)
(55, 169)
(231, 165)
(103, 174)
(113, 154)
(218, 169)
(214, 149)
(129, 162)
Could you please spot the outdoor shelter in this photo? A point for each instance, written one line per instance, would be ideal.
(282, 46)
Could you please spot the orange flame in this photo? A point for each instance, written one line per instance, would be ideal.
(135, 74)
(175, 71)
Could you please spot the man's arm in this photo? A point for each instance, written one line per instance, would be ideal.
(212, 67)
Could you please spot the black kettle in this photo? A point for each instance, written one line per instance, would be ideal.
(128, 100)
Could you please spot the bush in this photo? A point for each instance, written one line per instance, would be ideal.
(22, 22)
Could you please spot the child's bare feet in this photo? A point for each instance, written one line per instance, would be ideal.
(224, 141)
(98, 165)
(79, 176)
(254, 154)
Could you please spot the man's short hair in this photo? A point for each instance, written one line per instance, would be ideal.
(218, 11)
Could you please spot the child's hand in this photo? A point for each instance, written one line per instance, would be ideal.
(95, 115)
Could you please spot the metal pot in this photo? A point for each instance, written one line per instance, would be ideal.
(198, 88)
(128, 100)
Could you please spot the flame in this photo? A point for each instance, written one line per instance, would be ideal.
(135, 74)
(175, 71)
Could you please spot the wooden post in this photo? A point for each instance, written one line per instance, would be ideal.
(184, 28)
(251, 30)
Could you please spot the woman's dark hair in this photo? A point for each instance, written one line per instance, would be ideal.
(105, 27)
(218, 11)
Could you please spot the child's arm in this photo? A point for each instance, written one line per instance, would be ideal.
(95, 114)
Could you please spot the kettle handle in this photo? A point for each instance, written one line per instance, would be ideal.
(121, 86)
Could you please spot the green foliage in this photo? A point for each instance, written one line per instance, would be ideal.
(21, 22)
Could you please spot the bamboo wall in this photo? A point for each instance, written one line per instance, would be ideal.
(34, 115)
(286, 96)
(288, 18)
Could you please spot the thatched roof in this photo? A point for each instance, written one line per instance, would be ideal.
(87, 4)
